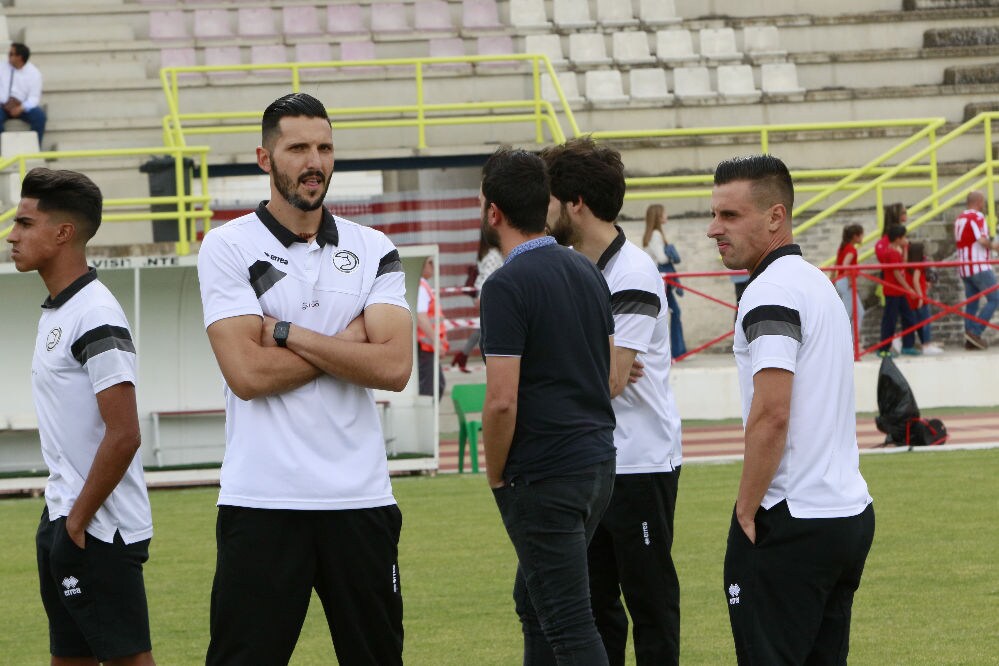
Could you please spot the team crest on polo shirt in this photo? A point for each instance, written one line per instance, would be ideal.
(345, 261)
(53, 339)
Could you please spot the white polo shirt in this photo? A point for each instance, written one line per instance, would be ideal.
(647, 435)
(790, 317)
(319, 446)
(83, 347)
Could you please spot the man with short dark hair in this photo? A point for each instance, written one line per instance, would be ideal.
(803, 521)
(305, 312)
(630, 551)
(971, 235)
(21, 91)
(547, 421)
(94, 534)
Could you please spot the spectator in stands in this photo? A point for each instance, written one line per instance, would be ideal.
(547, 420)
(853, 234)
(920, 281)
(21, 91)
(587, 181)
(666, 257)
(974, 246)
(489, 259)
(803, 521)
(96, 525)
(896, 290)
(895, 213)
(306, 313)
(429, 313)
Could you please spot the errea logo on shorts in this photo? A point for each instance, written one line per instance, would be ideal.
(71, 585)
(733, 594)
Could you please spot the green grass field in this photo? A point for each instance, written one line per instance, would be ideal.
(930, 593)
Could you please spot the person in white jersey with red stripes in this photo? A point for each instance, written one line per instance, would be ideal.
(803, 521)
(94, 534)
(971, 234)
(306, 312)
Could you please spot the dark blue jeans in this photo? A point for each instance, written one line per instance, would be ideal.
(896, 307)
(550, 523)
(677, 346)
(35, 119)
(976, 284)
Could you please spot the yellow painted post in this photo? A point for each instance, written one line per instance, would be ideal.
(764, 141)
(536, 80)
(420, 113)
(933, 167)
(990, 174)
(183, 244)
(296, 84)
(879, 206)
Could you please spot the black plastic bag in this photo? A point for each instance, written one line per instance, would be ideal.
(898, 414)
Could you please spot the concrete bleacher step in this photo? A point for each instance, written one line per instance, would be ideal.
(68, 33)
(919, 5)
(972, 74)
(963, 36)
(973, 109)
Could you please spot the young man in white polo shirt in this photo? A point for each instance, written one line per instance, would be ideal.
(803, 522)
(305, 313)
(96, 526)
(630, 551)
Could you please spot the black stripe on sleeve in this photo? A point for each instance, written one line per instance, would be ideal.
(772, 320)
(635, 301)
(390, 263)
(263, 276)
(99, 340)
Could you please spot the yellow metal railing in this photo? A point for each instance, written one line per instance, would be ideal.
(189, 207)
(420, 115)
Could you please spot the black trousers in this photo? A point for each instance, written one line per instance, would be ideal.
(630, 555)
(270, 560)
(790, 594)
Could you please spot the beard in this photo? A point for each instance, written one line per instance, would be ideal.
(489, 233)
(560, 228)
(288, 188)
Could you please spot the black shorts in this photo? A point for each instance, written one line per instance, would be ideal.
(94, 597)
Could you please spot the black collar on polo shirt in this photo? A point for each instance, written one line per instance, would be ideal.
(70, 291)
(327, 228)
(782, 251)
(612, 249)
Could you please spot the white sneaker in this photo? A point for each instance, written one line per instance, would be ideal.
(896, 344)
(932, 349)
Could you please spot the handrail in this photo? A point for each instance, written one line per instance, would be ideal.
(189, 207)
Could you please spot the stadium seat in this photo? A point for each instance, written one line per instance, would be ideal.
(495, 45)
(692, 83)
(432, 16)
(570, 88)
(735, 83)
(549, 45)
(212, 24)
(223, 55)
(762, 41)
(300, 21)
(780, 78)
(448, 47)
(262, 54)
(675, 46)
(314, 52)
(718, 44)
(604, 88)
(468, 400)
(657, 13)
(345, 21)
(528, 15)
(648, 86)
(587, 49)
(179, 57)
(479, 15)
(18, 143)
(167, 25)
(255, 22)
(363, 49)
(631, 48)
(572, 15)
(390, 21)
(615, 14)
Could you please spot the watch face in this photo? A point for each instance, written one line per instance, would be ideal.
(281, 332)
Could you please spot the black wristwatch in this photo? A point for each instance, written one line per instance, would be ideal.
(281, 330)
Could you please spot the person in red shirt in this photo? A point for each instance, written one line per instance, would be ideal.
(894, 214)
(853, 234)
(896, 288)
(919, 279)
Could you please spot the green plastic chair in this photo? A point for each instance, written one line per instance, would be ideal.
(468, 399)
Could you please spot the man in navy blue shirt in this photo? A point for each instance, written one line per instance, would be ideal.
(547, 421)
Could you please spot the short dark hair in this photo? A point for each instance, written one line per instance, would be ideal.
(581, 169)
(896, 231)
(771, 180)
(21, 50)
(293, 105)
(917, 252)
(68, 192)
(517, 182)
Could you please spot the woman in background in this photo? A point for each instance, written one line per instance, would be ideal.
(853, 234)
(920, 281)
(666, 256)
(489, 259)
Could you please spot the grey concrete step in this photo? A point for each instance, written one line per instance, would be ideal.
(963, 36)
(972, 74)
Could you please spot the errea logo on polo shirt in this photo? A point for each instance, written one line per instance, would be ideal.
(53, 339)
(345, 261)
